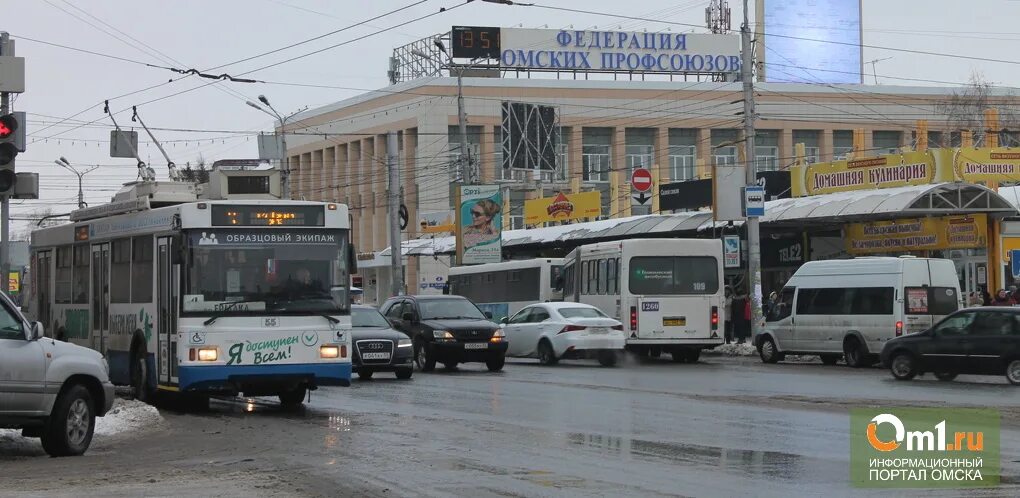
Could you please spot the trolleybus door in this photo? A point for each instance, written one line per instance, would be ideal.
(167, 300)
(101, 295)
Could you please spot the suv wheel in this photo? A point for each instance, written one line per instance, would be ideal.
(903, 366)
(1013, 372)
(71, 424)
(830, 359)
(945, 376)
(405, 373)
(425, 360)
(495, 364)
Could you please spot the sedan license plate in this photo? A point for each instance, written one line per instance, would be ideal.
(476, 345)
(674, 321)
(598, 330)
(375, 356)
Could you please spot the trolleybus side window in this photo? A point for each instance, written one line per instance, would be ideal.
(62, 293)
(120, 285)
(141, 269)
(603, 278)
(670, 275)
(81, 274)
(612, 281)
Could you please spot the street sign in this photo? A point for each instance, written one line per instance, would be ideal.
(1014, 262)
(641, 179)
(754, 202)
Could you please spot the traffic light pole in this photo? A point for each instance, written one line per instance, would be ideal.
(5, 200)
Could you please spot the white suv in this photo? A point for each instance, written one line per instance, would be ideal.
(48, 388)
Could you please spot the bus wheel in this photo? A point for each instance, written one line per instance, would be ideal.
(654, 351)
(607, 358)
(679, 355)
(293, 398)
(692, 355)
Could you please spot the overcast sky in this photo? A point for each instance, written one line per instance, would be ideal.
(208, 33)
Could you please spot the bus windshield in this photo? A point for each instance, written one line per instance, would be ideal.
(266, 272)
(669, 275)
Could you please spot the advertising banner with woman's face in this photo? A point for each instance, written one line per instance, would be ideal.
(480, 224)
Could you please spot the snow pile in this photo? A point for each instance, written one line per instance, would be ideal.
(127, 415)
(734, 349)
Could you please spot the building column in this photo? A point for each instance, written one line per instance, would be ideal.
(825, 145)
(307, 170)
(318, 164)
(487, 152)
(575, 154)
(340, 173)
(359, 180)
(786, 151)
(619, 166)
(703, 152)
(662, 157)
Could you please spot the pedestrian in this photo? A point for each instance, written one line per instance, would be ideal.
(975, 299)
(1002, 298)
(728, 314)
(741, 315)
(986, 298)
(771, 304)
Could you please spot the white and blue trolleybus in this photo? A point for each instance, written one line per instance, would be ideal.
(220, 296)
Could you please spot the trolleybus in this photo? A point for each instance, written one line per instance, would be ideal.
(219, 296)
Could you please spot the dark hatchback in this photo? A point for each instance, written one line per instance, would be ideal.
(979, 341)
(377, 347)
(448, 330)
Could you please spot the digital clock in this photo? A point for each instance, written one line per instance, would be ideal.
(475, 42)
(246, 216)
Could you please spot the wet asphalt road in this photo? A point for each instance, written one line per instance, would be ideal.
(723, 427)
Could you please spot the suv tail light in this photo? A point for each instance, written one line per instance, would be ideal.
(715, 317)
(633, 317)
(899, 328)
(572, 328)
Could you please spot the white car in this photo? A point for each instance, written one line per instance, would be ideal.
(554, 331)
(48, 388)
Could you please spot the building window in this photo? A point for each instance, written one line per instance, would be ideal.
(682, 163)
(724, 148)
(842, 144)
(811, 140)
(886, 142)
(766, 158)
(595, 163)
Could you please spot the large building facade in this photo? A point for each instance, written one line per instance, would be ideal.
(680, 130)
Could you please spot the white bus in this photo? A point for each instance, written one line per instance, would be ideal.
(504, 288)
(667, 292)
(220, 296)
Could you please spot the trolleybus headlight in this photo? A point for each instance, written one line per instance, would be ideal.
(329, 351)
(404, 343)
(207, 354)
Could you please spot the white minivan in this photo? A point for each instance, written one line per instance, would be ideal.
(851, 307)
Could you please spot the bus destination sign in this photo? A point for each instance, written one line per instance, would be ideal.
(261, 215)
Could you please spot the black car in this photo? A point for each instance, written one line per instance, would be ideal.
(377, 347)
(981, 341)
(448, 330)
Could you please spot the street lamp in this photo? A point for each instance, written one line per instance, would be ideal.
(64, 163)
(283, 139)
(464, 159)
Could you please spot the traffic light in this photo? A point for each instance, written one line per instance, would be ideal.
(9, 125)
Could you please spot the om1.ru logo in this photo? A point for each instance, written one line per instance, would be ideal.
(922, 440)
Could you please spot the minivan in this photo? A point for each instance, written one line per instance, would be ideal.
(851, 307)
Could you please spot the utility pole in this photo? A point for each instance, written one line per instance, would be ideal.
(753, 235)
(466, 170)
(5, 200)
(396, 258)
(64, 163)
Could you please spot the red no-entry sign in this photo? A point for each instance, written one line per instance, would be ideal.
(641, 180)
